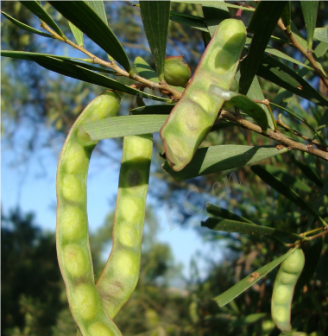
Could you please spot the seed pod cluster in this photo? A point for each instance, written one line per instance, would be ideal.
(283, 289)
(193, 116)
(121, 273)
(72, 238)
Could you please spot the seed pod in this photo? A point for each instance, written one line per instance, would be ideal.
(120, 276)
(283, 289)
(193, 116)
(72, 239)
(176, 71)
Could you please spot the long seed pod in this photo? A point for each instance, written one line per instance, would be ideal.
(193, 116)
(120, 276)
(283, 289)
(72, 238)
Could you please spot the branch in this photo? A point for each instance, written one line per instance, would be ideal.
(162, 86)
(275, 136)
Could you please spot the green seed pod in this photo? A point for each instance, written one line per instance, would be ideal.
(176, 71)
(283, 289)
(193, 116)
(72, 239)
(120, 276)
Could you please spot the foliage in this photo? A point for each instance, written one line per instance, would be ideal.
(279, 203)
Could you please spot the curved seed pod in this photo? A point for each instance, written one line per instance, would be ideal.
(192, 118)
(283, 289)
(176, 71)
(120, 276)
(72, 239)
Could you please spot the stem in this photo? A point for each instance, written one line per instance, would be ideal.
(162, 86)
(275, 136)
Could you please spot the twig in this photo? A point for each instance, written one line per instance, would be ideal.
(275, 136)
(162, 86)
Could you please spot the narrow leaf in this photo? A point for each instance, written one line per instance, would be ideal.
(308, 172)
(249, 281)
(283, 189)
(36, 8)
(85, 18)
(224, 213)
(99, 8)
(262, 24)
(286, 16)
(78, 35)
(145, 70)
(214, 13)
(244, 103)
(196, 22)
(24, 26)
(310, 12)
(282, 75)
(124, 126)
(155, 18)
(228, 225)
(219, 158)
(321, 34)
(68, 68)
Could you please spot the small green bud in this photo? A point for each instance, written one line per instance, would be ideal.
(176, 71)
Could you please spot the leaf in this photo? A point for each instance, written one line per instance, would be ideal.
(282, 75)
(249, 281)
(214, 13)
(262, 24)
(242, 102)
(310, 12)
(308, 172)
(255, 93)
(311, 261)
(78, 35)
(196, 22)
(224, 213)
(286, 191)
(249, 319)
(321, 34)
(99, 8)
(68, 68)
(155, 18)
(84, 18)
(153, 109)
(219, 158)
(36, 8)
(228, 225)
(24, 26)
(286, 16)
(124, 126)
(145, 70)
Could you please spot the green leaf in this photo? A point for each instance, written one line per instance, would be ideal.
(249, 281)
(196, 22)
(223, 157)
(255, 93)
(36, 8)
(286, 16)
(224, 213)
(321, 34)
(321, 49)
(145, 70)
(99, 8)
(244, 103)
(155, 18)
(78, 35)
(24, 26)
(69, 68)
(282, 75)
(286, 191)
(214, 13)
(263, 21)
(249, 319)
(308, 172)
(310, 12)
(124, 126)
(85, 18)
(153, 109)
(228, 225)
